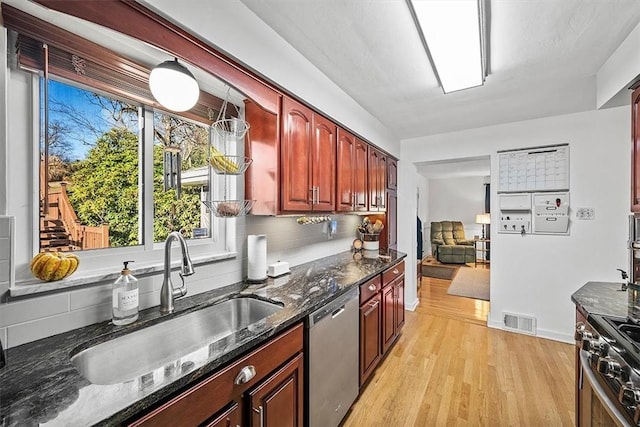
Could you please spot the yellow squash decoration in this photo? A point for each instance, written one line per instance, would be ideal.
(51, 266)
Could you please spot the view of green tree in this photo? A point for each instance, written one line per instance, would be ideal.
(105, 183)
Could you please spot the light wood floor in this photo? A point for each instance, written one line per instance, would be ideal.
(447, 370)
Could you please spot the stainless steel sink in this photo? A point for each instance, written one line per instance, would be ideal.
(129, 356)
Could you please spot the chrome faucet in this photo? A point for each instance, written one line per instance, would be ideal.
(168, 293)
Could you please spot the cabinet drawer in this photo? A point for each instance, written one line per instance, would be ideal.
(370, 288)
(207, 397)
(395, 271)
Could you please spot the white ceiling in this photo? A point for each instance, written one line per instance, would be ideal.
(543, 56)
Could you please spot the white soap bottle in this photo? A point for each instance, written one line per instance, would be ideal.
(125, 298)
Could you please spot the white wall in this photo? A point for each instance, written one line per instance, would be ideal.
(536, 275)
(457, 199)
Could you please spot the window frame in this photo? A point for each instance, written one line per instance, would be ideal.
(149, 255)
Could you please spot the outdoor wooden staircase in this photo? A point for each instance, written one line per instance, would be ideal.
(60, 229)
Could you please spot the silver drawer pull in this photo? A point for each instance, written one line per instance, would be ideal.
(245, 375)
(396, 271)
(372, 287)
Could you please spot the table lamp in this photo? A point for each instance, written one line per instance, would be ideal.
(483, 218)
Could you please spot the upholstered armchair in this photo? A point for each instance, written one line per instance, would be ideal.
(449, 244)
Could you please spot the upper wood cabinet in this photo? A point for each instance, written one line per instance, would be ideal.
(392, 173)
(351, 173)
(635, 151)
(377, 180)
(308, 159)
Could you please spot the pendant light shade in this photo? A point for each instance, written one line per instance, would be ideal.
(173, 86)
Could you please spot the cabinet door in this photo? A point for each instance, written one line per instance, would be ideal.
(377, 180)
(229, 418)
(635, 151)
(278, 400)
(392, 173)
(361, 180)
(345, 172)
(370, 345)
(388, 317)
(296, 156)
(323, 164)
(391, 225)
(399, 304)
(382, 182)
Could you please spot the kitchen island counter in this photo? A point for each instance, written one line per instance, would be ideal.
(40, 386)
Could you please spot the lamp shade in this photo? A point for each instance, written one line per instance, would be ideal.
(483, 218)
(173, 86)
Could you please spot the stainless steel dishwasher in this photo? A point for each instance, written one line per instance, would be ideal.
(333, 354)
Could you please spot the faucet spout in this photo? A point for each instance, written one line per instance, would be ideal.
(168, 293)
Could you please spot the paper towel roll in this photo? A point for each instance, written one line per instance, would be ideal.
(257, 254)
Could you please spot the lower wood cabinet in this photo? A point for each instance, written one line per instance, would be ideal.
(370, 343)
(381, 317)
(278, 400)
(263, 388)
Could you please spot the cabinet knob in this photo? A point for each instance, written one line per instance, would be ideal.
(245, 375)
(396, 271)
(372, 287)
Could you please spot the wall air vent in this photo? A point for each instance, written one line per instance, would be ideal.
(519, 323)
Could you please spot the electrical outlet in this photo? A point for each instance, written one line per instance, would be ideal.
(586, 213)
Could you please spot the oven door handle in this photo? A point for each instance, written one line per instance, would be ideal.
(601, 394)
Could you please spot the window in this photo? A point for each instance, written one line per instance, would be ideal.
(90, 183)
(116, 174)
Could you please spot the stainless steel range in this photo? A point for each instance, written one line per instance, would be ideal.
(609, 374)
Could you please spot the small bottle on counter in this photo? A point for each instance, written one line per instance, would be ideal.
(125, 298)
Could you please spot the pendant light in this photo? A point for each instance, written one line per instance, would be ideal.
(173, 86)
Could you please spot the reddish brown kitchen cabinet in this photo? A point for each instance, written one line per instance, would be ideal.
(269, 377)
(278, 401)
(308, 159)
(370, 322)
(392, 305)
(635, 150)
(351, 173)
(228, 418)
(377, 175)
(392, 173)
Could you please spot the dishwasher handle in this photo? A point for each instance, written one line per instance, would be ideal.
(333, 308)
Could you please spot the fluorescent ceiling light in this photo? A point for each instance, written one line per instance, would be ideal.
(452, 31)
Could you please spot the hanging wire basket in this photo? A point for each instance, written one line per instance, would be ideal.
(229, 208)
(231, 128)
(229, 165)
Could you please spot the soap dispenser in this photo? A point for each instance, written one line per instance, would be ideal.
(125, 297)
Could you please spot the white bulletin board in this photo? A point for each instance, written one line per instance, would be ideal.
(534, 169)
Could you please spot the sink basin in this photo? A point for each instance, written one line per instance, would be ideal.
(129, 356)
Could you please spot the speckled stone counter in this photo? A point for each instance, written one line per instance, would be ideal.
(40, 386)
(601, 298)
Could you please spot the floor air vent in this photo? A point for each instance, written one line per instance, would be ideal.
(519, 323)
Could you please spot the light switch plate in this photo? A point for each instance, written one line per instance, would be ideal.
(586, 213)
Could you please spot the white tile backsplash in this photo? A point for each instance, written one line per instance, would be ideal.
(30, 331)
(33, 308)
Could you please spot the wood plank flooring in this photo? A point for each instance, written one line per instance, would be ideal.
(448, 370)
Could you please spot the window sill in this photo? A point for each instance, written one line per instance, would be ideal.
(34, 286)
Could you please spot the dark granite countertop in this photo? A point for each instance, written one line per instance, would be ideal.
(40, 386)
(601, 298)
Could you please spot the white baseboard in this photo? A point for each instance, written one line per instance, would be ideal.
(541, 333)
(412, 306)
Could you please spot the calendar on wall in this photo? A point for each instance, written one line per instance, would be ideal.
(534, 169)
